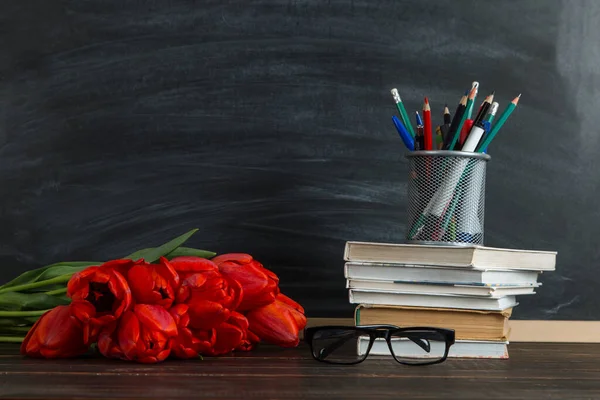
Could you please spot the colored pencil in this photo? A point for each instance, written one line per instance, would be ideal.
(439, 137)
(419, 139)
(492, 113)
(460, 109)
(456, 135)
(427, 131)
(447, 117)
(475, 85)
(494, 131)
(404, 135)
(484, 108)
(402, 111)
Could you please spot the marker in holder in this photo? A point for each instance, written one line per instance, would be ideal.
(446, 197)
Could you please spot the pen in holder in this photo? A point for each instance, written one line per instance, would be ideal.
(446, 197)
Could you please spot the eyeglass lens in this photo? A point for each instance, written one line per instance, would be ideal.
(337, 346)
(417, 346)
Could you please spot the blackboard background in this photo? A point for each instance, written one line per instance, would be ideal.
(266, 124)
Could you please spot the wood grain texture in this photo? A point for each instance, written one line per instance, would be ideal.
(268, 126)
(534, 371)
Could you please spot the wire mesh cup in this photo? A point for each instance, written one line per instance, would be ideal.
(446, 197)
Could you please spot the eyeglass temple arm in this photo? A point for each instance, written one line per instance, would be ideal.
(341, 341)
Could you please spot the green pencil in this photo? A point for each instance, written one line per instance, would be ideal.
(402, 111)
(463, 119)
(493, 109)
(474, 85)
(489, 137)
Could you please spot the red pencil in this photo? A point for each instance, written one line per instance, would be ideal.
(427, 131)
(464, 133)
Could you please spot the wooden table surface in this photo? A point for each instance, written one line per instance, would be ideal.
(534, 371)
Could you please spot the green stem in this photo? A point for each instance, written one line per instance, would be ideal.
(11, 314)
(11, 339)
(26, 286)
(57, 291)
(22, 329)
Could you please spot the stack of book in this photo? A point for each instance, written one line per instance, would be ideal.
(471, 289)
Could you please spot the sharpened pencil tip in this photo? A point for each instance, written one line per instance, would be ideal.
(516, 99)
(426, 101)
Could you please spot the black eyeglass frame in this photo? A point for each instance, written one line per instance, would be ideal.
(381, 332)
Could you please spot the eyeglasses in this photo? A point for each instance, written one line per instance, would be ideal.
(353, 344)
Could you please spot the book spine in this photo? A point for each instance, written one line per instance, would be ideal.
(347, 251)
(357, 315)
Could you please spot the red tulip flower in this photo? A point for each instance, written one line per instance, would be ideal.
(260, 285)
(105, 290)
(230, 335)
(143, 334)
(189, 342)
(56, 334)
(210, 296)
(279, 322)
(153, 283)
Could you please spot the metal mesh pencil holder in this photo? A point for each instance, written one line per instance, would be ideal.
(446, 197)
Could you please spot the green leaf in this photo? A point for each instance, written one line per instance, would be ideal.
(12, 330)
(34, 274)
(17, 321)
(45, 289)
(16, 301)
(188, 251)
(12, 339)
(60, 270)
(152, 254)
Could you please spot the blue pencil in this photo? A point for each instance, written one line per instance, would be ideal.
(406, 137)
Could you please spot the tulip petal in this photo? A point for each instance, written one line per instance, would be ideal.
(228, 338)
(167, 270)
(257, 288)
(195, 280)
(108, 347)
(120, 288)
(29, 346)
(240, 258)
(179, 313)
(120, 265)
(192, 264)
(155, 317)
(141, 282)
(128, 334)
(285, 299)
(205, 314)
(235, 294)
(78, 285)
(82, 310)
(238, 319)
(274, 324)
(295, 310)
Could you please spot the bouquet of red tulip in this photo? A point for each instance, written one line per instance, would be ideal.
(169, 301)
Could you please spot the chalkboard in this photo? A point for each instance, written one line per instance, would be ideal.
(267, 125)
